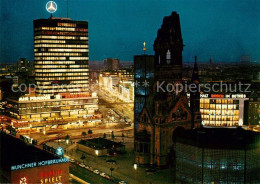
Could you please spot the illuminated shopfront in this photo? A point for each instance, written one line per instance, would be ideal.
(222, 109)
(44, 108)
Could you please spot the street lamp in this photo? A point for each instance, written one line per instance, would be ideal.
(111, 169)
(135, 166)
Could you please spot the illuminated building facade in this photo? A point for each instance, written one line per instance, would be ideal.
(61, 59)
(126, 90)
(216, 155)
(223, 109)
(254, 111)
(61, 56)
(50, 108)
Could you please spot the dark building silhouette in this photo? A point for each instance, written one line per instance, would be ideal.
(216, 155)
(210, 60)
(245, 60)
(195, 95)
(23, 65)
(22, 162)
(111, 64)
(144, 71)
(166, 107)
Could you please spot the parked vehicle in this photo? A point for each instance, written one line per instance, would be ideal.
(121, 182)
(103, 174)
(108, 177)
(82, 165)
(89, 168)
(150, 171)
(112, 161)
(96, 171)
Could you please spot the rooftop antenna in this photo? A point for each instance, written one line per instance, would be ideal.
(67, 8)
(144, 49)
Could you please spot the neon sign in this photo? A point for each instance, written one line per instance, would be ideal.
(40, 163)
(59, 151)
(51, 7)
(52, 176)
(23, 180)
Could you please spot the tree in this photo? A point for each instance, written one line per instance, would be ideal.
(82, 158)
(67, 137)
(112, 135)
(83, 134)
(105, 136)
(90, 131)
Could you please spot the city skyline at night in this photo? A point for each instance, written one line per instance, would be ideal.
(224, 30)
(129, 92)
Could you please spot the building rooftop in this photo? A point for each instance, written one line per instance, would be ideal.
(14, 151)
(218, 138)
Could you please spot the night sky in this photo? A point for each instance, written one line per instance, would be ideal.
(224, 29)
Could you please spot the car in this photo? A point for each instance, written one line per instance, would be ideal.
(72, 160)
(108, 177)
(89, 168)
(121, 182)
(96, 171)
(103, 174)
(112, 161)
(82, 165)
(150, 171)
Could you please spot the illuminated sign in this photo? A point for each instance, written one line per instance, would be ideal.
(238, 96)
(45, 97)
(51, 176)
(40, 163)
(217, 96)
(23, 180)
(59, 151)
(51, 7)
(204, 95)
(48, 174)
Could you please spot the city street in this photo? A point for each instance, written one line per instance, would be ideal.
(123, 169)
(87, 175)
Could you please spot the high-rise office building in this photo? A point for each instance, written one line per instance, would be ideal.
(61, 76)
(61, 56)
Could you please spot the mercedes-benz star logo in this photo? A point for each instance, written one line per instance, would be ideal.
(51, 7)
